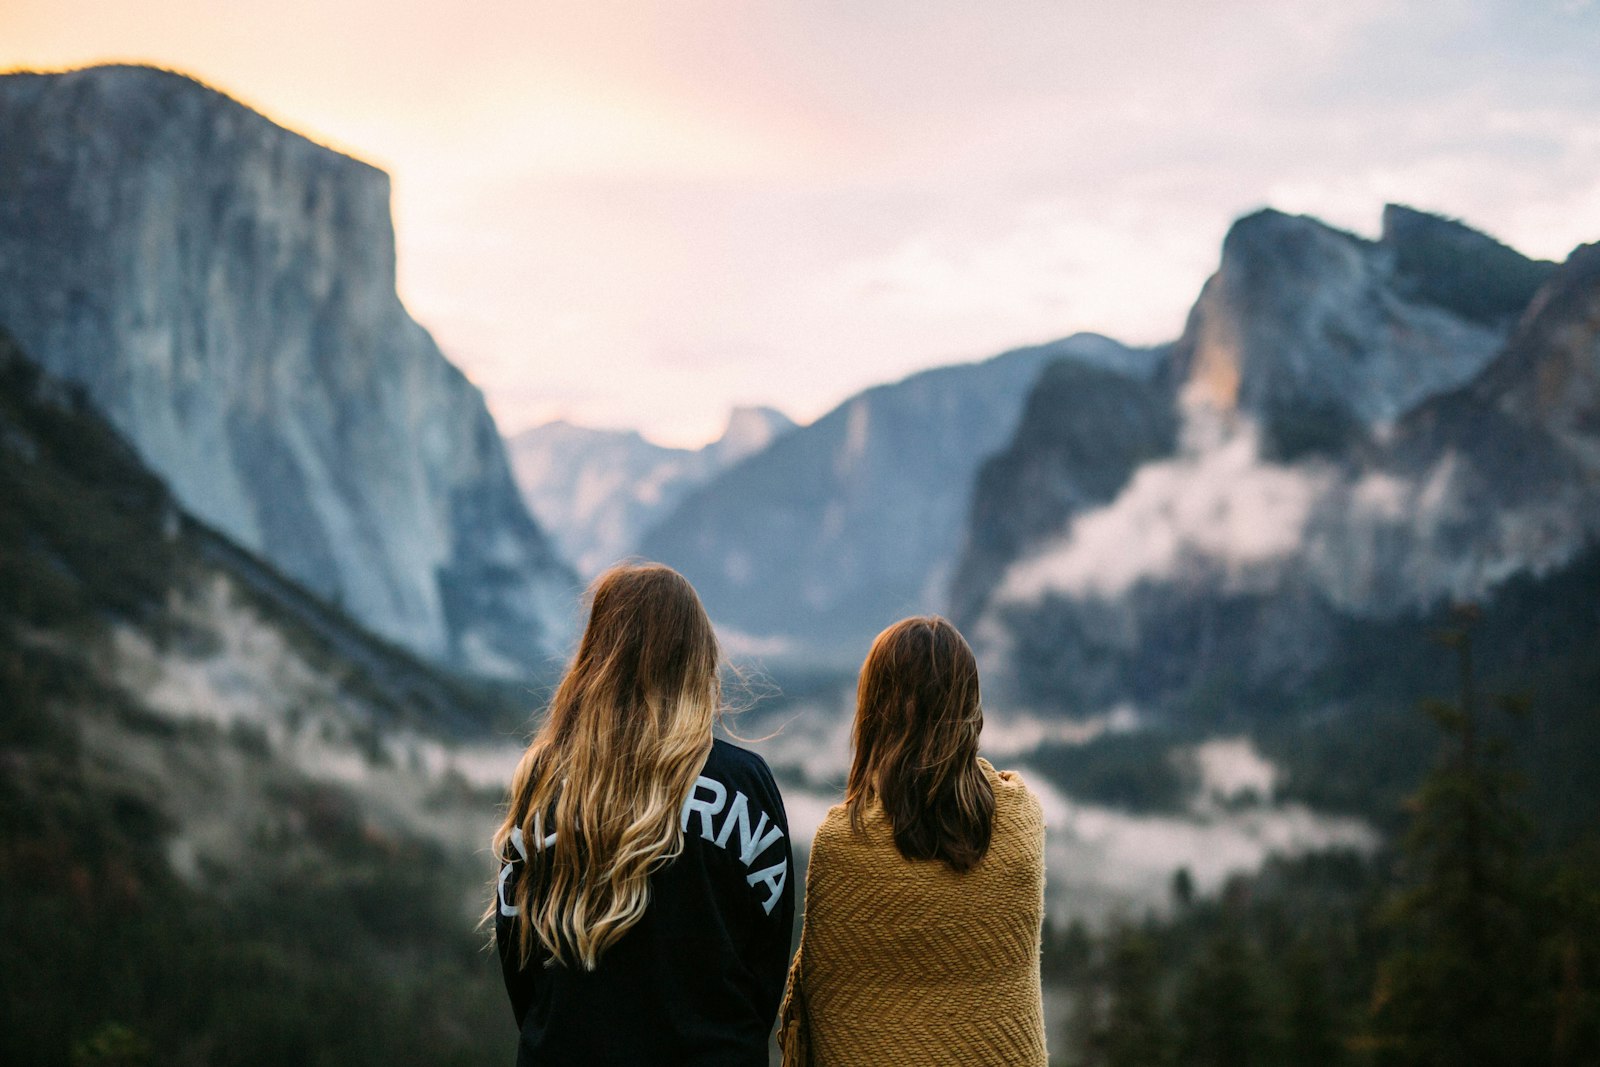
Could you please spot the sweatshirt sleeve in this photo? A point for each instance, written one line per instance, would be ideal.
(774, 960)
(518, 982)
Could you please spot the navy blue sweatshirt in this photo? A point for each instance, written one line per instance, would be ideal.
(698, 979)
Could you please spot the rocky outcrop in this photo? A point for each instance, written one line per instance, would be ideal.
(812, 545)
(225, 291)
(1220, 578)
(1084, 431)
(1317, 334)
(1450, 265)
(598, 491)
(101, 566)
(1496, 478)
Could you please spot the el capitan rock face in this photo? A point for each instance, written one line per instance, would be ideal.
(225, 290)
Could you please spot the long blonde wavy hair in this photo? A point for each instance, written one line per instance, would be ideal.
(610, 767)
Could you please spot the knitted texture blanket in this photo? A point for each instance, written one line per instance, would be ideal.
(908, 962)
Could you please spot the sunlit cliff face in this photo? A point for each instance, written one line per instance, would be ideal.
(1215, 375)
(1215, 379)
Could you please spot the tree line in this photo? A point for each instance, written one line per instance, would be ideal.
(1465, 942)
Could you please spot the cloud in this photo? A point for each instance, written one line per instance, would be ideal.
(1230, 768)
(1104, 862)
(1218, 509)
(1130, 270)
(800, 200)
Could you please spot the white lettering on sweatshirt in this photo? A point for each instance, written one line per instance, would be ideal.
(753, 839)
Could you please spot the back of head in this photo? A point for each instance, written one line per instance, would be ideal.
(918, 716)
(626, 733)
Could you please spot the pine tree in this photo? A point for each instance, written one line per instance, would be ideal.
(1086, 1030)
(1136, 1033)
(1220, 1018)
(1310, 1031)
(1459, 987)
(1182, 889)
(1572, 952)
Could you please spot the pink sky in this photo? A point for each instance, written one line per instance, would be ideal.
(638, 214)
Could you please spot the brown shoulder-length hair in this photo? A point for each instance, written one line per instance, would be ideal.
(918, 716)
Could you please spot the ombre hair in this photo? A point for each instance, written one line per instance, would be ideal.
(918, 716)
(597, 797)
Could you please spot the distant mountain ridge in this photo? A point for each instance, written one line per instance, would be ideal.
(1358, 436)
(1301, 318)
(598, 491)
(225, 290)
(810, 546)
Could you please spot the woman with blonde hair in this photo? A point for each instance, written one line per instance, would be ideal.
(925, 888)
(643, 907)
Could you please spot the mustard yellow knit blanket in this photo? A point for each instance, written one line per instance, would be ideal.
(909, 963)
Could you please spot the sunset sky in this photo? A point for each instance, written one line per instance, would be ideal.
(638, 214)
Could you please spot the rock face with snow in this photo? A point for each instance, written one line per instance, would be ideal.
(835, 530)
(1364, 430)
(598, 491)
(225, 290)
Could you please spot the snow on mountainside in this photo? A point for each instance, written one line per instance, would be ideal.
(1429, 454)
(598, 491)
(225, 290)
(836, 529)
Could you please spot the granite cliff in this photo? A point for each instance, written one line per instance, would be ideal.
(1311, 330)
(1363, 430)
(1083, 432)
(224, 289)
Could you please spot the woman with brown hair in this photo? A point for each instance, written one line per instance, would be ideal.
(643, 908)
(925, 888)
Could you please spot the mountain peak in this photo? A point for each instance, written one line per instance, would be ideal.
(144, 100)
(1550, 370)
(1301, 316)
(750, 428)
(1277, 235)
(1447, 263)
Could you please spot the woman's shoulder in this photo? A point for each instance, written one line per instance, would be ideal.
(1009, 782)
(1012, 797)
(840, 837)
(835, 825)
(727, 754)
(731, 763)
(730, 772)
